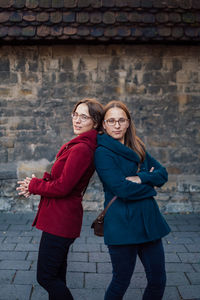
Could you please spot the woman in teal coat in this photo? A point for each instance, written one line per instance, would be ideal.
(133, 224)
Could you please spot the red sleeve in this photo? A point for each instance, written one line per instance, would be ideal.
(76, 165)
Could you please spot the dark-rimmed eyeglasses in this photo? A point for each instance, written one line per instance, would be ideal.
(112, 121)
(82, 117)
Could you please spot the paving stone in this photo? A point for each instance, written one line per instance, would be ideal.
(77, 256)
(82, 267)
(97, 280)
(6, 276)
(171, 293)
(99, 257)
(75, 280)
(7, 247)
(26, 247)
(20, 227)
(176, 240)
(175, 248)
(4, 226)
(25, 277)
(12, 255)
(171, 257)
(133, 294)
(188, 228)
(17, 239)
(138, 280)
(85, 248)
(14, 265)
(178, 267)
(186, 234)
(15, 292)
(95, 240)
(177, 278)
(190, 257)
(104, 268)
(87, 294)
(196, 267)
(193, 247)
(33, 255)
(194, 277)
(189, 292)
(39, 293)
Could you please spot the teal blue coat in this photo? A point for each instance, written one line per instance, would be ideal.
(134, 217)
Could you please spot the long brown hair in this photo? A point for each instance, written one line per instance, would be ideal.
(131, 140)
(95, 110)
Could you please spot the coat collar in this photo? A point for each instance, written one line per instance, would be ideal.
(89, 138)
(117, 147)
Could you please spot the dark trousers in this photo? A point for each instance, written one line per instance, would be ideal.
(123, 258)
(52, 266)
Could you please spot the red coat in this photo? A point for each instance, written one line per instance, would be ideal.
(60, 210)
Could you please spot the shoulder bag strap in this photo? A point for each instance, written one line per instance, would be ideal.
(102, 214)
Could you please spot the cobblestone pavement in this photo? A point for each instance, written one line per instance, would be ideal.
(89, 268)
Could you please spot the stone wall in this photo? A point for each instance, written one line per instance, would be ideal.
(40, 84)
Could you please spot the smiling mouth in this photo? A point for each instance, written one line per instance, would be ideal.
(77, 127)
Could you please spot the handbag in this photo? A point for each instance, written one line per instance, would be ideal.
(98, 223)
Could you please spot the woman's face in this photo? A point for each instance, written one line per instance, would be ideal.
(117, 130)
(81, 120)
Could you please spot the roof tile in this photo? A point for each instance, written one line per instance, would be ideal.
(109, 17)
(29, 16)
(57, 3)
(42, 17)
(133, 3)
(6, 3)
(3, 31)
(28, 31)
(188, 17)
(146, 3)
(43, 31)
(95, 17)
(69, 17)
(196, 4)
(70, 3)
(177, 32)
(70, 30)
(124, 31)
(83, 3)
(56, 17)
(174, 17)
(32, 3)
(110, 31)
(97, 32)
(83, 31)
(122, 17)
(162, 17)
(14, 31)
(19, 3)
(45, 3)
(4, 17)
(82, 17)
(56, 30)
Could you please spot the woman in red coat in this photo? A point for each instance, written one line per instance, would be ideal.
(60, 210)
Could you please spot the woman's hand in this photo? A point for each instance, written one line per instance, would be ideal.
(23, 188)
(137, 179)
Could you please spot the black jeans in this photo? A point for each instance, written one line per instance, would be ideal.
(52, 266)
(123, 258)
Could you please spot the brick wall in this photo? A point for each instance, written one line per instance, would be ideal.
(40, 84)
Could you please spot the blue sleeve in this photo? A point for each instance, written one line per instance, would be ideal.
(112, 177)
(156, 178)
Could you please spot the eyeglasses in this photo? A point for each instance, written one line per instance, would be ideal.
(82, 117)
(112, 121)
